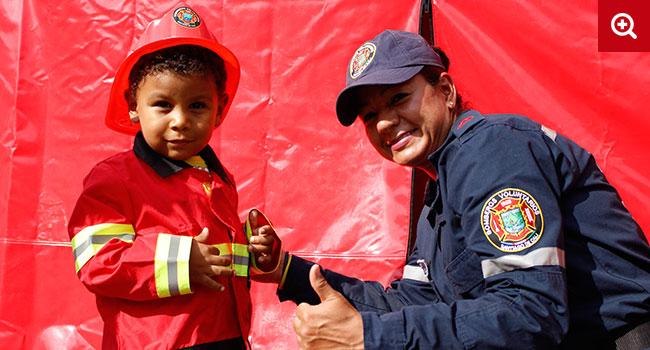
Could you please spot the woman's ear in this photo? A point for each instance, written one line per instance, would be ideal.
(223, 101)
(448, 89)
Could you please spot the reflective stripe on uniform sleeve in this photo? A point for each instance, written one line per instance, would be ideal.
(172, 265)
(240, 259)
(238, 254)
(549, 256)
(88, 241)
(552, 134)
(414, 273)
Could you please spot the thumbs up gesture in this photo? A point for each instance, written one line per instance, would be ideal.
(332, 324)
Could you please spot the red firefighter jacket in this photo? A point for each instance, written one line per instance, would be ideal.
(131, 233)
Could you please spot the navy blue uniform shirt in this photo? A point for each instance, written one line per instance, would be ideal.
(522, 244)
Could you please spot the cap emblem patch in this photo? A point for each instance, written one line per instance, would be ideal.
(512, 220)
(186, 17)
(361, 59)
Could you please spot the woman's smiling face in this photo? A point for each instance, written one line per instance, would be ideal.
(407, 122)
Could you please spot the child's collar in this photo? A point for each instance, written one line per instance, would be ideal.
(165, 167)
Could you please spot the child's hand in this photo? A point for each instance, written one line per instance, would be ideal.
(205, 263)
(265, 246)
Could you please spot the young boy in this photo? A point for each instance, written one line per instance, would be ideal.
(156, 233)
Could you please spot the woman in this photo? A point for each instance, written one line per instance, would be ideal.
(522, 242)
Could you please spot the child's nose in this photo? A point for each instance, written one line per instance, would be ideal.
(180, 120)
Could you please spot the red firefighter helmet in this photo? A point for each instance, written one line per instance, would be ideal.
(180, 26)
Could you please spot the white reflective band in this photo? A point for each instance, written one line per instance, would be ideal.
(414, 273)
(552, 134)
(550, 256)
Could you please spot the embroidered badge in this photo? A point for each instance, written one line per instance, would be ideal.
(512, 220)
(186, 17)
(361, 59)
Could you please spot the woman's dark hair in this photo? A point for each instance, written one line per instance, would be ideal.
(432, 75)
(185, 60)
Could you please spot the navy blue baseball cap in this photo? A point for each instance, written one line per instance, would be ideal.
(392, 57)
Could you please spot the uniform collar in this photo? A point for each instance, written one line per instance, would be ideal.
(165, 166)
(463, 124)
(465, 121)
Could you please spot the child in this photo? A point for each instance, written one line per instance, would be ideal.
(156, 233)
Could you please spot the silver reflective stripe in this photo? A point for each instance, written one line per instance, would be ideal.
(414, 273)
(240, 260)
(102, 239)
(89, 240)
(550, 256)
(228, 256)
(172, 269)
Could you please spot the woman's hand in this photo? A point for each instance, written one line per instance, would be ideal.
(332, 324)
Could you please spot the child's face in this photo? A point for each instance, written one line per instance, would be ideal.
(177, 113)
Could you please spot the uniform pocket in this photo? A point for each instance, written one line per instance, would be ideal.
(465, 274)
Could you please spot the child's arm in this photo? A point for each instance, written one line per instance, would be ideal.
(114, 260)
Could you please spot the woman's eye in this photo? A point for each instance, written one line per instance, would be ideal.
(368, 116)
(398, 97)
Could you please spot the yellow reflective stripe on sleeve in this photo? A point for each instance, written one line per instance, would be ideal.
(225, 249)
(238, 255)
(160, 265)
(240, 259)
(171, 265)
(88, 241)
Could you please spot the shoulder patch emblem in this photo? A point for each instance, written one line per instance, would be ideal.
(186, 17)
(512, 220)
(361, 59)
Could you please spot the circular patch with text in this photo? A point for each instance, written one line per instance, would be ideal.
(512, 220)
(186, 17)
(361, 59)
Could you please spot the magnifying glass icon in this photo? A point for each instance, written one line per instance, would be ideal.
(622, 25)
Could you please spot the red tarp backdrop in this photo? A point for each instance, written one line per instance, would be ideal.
(329, 195)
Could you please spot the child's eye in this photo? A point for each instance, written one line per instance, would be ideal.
(162, 104)
(198, 105)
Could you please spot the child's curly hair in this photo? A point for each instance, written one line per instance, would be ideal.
(185, 60)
